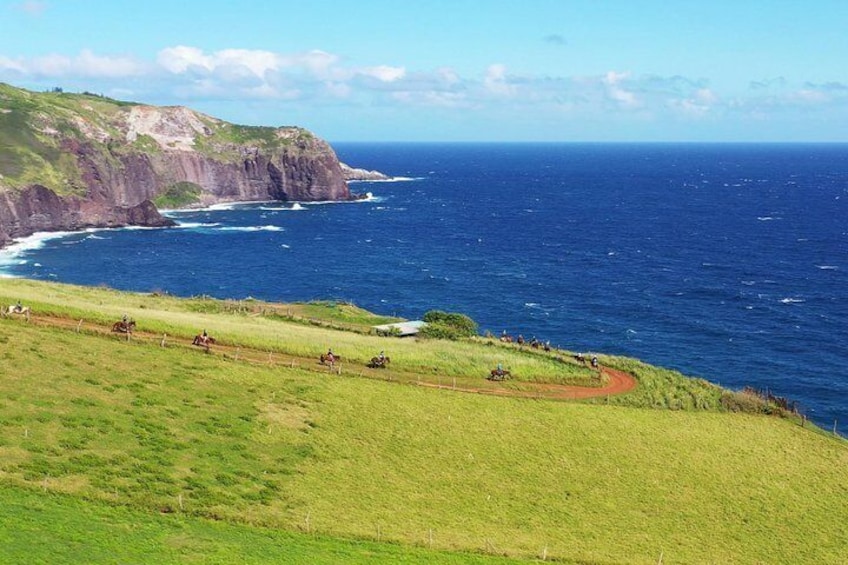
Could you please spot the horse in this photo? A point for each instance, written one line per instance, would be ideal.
(329, 359)
(203, 341)
(378, 363)
(124, 327)
(499, 375)
(17, 309)
(506, 339)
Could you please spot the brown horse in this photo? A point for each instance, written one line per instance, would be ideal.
(329, 359)
(203, 341)
(499, 375)
(378, 363)
(124, 327)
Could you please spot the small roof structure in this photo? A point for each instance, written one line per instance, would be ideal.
(401, 329)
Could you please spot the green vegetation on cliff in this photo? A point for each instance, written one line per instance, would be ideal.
(41, 135)
(35, 129)
(227, 141)
(178, 195)
(257, 453)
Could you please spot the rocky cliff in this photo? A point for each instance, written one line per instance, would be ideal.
(70, 161)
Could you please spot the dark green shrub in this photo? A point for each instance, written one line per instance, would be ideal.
(178, 195)
(448, 325)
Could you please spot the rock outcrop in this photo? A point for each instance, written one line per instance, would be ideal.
(71, 161)
(353, 174)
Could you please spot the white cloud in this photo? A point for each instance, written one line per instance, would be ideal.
(385, 73)
(497, 82)
(181, 58)
(322, 79)
(700, 104)
(616, 91)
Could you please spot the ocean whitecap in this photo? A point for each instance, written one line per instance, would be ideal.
(195, 225)
(251, 228)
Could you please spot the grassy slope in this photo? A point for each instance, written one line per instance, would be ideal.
(143, 427)
(71, 530)
(162, 314)
(28, 155)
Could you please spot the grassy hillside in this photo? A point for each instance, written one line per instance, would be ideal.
(30, 128)
(82, 531)
(118, 449)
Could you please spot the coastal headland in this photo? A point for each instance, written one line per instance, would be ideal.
(73, 161)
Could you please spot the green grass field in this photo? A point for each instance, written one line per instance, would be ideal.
(125, 451)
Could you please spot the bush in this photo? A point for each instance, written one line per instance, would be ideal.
(448, 325)
(178, 195)
(751, 402)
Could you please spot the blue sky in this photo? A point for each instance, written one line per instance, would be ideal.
(458, 70)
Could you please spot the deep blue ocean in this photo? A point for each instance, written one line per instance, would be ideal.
(728, 262)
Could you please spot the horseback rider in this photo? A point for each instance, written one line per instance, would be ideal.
(19, 307)
(500, 369)
(204, 337)
(330, 357)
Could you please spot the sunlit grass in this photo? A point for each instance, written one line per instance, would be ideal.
(197, 448)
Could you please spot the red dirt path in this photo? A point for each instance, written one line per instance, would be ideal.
(618, 382)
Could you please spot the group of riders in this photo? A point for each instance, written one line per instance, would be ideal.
(205, 340)
(533, 342)
(378, 362)
(499, 373)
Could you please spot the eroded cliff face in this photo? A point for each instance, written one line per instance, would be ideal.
(107, 162)
(37, 209)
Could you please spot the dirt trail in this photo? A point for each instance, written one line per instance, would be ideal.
(618, 382)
